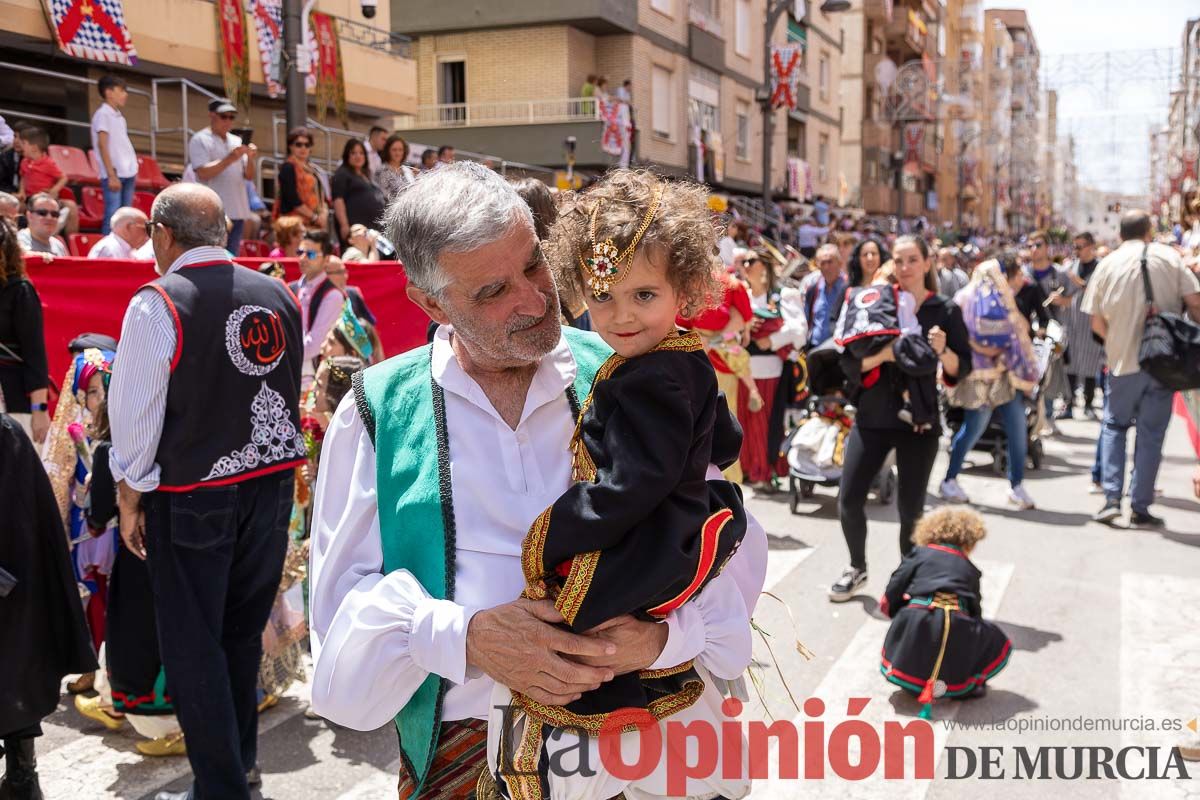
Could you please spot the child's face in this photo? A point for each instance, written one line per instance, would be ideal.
(95, 393)
(31, 151)
(117, 96)
(638, 312)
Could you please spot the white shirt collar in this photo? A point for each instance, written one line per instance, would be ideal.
(199, 255)
(556, 371)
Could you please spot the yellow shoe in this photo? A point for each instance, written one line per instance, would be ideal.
(268, 701)
(165, 746)
(90, 708)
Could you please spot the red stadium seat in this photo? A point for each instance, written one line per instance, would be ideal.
(143, 201)
(91, 210)
(149, 175)
(80, 244)
(75, 164)
(254, 248)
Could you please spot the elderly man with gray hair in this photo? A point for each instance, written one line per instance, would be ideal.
(127, 234)
(432, 471)
(10, 208)
(204, 408)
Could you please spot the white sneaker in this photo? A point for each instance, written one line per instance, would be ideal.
(1097, 488)
(951, 492)
(1020, 498)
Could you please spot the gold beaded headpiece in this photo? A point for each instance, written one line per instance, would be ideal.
(603, 268)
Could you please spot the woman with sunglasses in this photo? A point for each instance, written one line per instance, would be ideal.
(299, 191)
(356, 200)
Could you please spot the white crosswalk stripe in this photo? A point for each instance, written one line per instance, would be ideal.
(855, 674)
(1158, 671)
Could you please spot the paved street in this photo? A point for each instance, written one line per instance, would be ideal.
(1105, 624)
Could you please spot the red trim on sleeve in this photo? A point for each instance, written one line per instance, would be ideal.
(710, 535)
(883, 605)
(178, 323)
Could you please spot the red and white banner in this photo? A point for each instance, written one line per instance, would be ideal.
(331, 85)
(1189, 159)
(233, 52)
(615, 115)
(91, 29)
(268, 29)
(785, 74)
(914, 137)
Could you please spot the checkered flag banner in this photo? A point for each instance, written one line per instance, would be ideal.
(268, 27)
(91, 29)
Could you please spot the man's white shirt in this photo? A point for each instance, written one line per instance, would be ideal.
(376, 637)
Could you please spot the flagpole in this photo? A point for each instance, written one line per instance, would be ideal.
(296, 108)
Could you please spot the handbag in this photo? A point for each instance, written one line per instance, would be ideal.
(1170, 348)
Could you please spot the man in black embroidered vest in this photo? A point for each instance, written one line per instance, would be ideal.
(204, 412)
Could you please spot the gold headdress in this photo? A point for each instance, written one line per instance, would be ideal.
(603, 268)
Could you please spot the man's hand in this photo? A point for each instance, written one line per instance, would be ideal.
(114, 183)
(638, 644)
(132, 519)
(39, 424)
(519, 645)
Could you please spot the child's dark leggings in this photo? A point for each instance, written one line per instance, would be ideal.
(865, 454)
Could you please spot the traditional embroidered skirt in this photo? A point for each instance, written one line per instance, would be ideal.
(976, 649)
(134, 664)
(458, 763)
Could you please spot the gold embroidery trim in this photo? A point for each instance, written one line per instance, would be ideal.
(659, 709)
(575, 588)
(651, 674)
(532, 552)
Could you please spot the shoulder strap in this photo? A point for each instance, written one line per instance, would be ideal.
(1146, 278)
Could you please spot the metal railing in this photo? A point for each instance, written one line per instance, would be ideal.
(184, 130)
(12, 113)
(511, 112)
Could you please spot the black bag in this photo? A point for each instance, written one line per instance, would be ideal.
(1170, 349)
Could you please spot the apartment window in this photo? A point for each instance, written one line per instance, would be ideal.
(664, 101)
(453, 87)
(661, 5)
(743, 129)
(823, 75)
(741, 25)
(823, 158)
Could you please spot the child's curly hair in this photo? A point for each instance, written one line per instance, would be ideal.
(683, 234)
(957, 526)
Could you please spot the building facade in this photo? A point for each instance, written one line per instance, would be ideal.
(177, 43)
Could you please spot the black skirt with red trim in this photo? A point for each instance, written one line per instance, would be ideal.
(976, 649)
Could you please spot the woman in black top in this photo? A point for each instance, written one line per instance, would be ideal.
(356, 200)
(23, 369)
(876, 387)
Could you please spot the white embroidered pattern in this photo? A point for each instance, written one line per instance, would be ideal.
(273, 437)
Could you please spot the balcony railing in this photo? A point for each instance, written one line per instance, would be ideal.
(511, 112)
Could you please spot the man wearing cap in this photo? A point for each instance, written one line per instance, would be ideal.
(223, 163)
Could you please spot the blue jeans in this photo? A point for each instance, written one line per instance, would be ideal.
(235, 235)
(1098, 465)
(975, 422)
(1138, 401)
(113, 200)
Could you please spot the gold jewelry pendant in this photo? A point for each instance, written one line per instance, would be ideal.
(602, 266)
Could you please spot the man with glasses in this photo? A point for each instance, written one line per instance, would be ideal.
(321, 299)
(42, 214)
(223, 164)
(204, 405)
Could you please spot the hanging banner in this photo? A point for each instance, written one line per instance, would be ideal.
(1189, 159)
(785, 74)
(615, 114)
(268, 28)
(91, 29)
(233, 52)
(914, 136)
(331, 84)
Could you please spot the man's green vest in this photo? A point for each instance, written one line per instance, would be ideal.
(404, 412)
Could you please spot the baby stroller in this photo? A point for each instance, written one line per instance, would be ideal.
(815, 443)
(1047, 350)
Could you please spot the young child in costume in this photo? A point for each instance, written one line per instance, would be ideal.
(642, 531)
(883, 315)
(939, 645)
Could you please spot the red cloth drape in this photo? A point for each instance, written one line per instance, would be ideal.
(90, 296)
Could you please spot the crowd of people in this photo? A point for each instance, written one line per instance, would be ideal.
(598, 346)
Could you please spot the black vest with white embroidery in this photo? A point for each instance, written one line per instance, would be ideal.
(234, 394)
